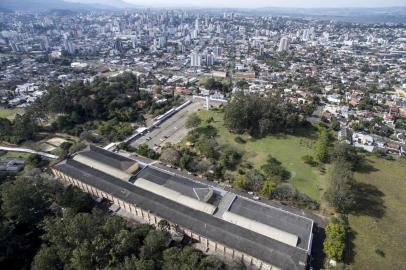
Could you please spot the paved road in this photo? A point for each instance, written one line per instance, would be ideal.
(172, 130)
(29, 151)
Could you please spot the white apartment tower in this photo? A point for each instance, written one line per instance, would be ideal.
(195, 59)
(197, 24)
(283, 44)
(306, 34)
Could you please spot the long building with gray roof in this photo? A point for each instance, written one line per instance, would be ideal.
(262, 236)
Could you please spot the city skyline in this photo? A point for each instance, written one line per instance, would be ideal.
(270, 3)
(139, 136)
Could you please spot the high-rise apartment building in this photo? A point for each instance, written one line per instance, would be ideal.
(283, 44)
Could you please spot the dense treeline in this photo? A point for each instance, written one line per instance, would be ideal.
(98, 241)
(24, 203)
(104, 99)
(261, 115)
(20, 129)
(110, 106)
(36, 233)
(213, 84)
(341, 191)
(322, 144)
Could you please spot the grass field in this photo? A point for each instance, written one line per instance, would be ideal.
(9, 113)
(381, 223)
(14, 154)
(287, 149)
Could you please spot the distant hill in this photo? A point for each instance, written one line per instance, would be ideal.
(361, 15)
(110, 3)
(42, 5)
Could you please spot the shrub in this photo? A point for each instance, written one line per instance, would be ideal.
(309, 160)
(286, 192)
(239, 140)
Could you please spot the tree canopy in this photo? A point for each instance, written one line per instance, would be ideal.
(261, 115)
(340, 191)
(22, 128)
(193, 121)
(335, 241)
(321, 147)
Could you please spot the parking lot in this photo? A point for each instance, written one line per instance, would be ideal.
(172, 130)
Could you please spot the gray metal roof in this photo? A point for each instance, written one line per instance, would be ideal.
(271, 251)
(172, 181)
(274, 217)
(109, 158)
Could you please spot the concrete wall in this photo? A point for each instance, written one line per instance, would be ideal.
(208, 245)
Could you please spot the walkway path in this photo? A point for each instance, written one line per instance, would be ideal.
(29, 151)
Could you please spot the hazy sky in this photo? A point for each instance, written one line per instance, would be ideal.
(271, 3)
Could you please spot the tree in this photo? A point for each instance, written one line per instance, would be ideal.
(242, 84)
(64, 149)
(321, 147)
(47, 259)
(285, 191)
(164, 225)
(203, 165)
(36, 161)
(345, 152)
(154, 244)
(76, 147)
(185, 159)
(24, 128)
(114, 130)
(273, 167)
(207, 147)
(75, 199)
(193, 121)
(268, 188)
(229, 157)
(254, 180)
(340, 191)
(309, 160)
(80, 104)
(132, 263)
(5, 129)
(93, 240)
(170, 155)
(188, 258)
(144, 150)
(261, 115)
(335, 125)
(335, 241)
(23, 201)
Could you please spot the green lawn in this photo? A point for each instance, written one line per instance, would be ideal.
(14, 154)
(382, 221)
(287, 149)
(9, 113)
